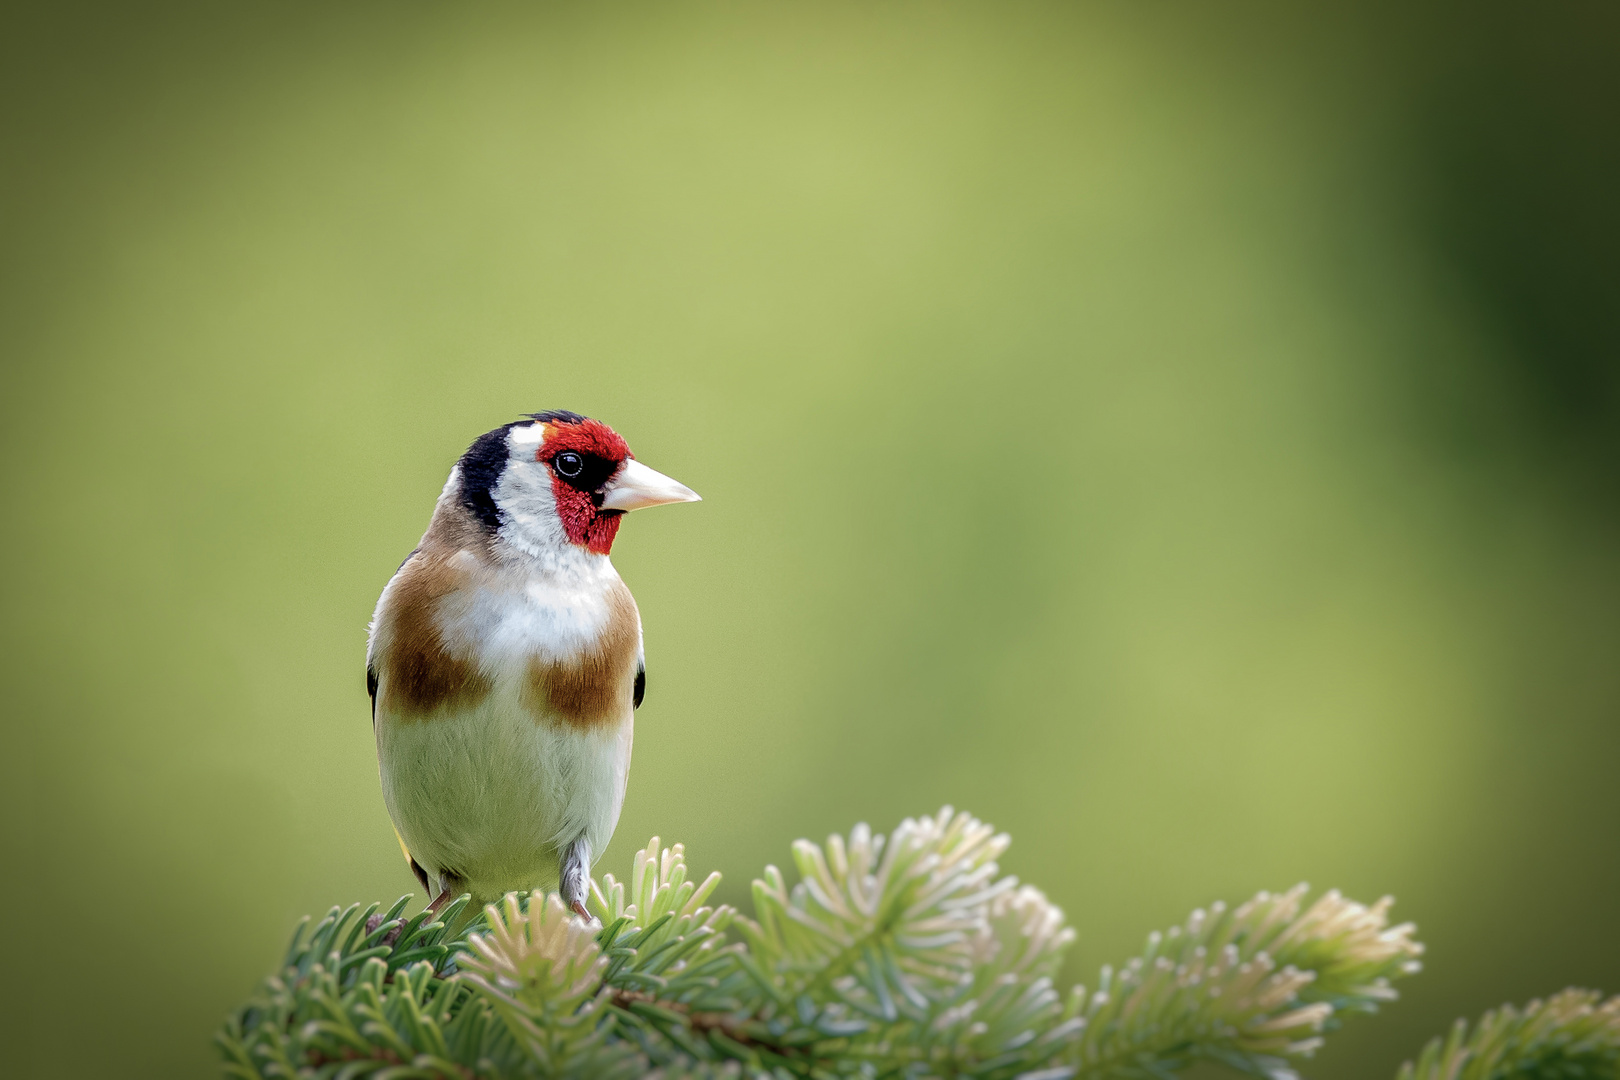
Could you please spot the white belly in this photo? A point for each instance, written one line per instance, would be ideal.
(491, 794)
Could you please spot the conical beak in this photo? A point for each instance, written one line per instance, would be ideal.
(635, 486)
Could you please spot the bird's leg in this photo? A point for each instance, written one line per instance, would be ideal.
(451, 885)
(575, 878)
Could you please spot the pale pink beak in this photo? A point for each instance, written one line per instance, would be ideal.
(635, 486)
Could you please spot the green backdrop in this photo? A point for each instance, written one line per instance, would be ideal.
(1184, 437)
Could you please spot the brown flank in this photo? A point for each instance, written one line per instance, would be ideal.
(595, 687)
(420, 676)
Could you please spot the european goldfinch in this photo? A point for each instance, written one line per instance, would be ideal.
(505, 663)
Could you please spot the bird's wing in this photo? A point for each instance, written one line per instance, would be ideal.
(371, 666)
(641, 682)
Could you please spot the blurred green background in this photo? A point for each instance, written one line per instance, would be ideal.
(1183, 435)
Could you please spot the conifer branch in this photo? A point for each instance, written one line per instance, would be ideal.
(1253, 988)
(905, 956)
(1573, 1035)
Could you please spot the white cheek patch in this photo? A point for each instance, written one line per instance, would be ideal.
(525, 488)
(530, 507)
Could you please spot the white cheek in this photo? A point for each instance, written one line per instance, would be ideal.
(525, 497)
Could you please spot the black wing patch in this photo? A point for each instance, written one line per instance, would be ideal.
(641, 684)
(371, 690)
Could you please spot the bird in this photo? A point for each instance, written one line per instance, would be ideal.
(505, 664)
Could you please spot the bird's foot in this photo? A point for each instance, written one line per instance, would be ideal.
(451, 886)
(579, 909)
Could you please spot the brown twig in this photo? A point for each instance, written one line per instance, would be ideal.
(724, 1023)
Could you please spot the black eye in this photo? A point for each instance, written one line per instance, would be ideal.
(568, 464)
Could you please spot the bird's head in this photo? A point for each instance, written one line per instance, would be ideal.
(558, 478)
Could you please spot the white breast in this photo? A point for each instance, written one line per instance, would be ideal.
(506, 616)
(491, 792)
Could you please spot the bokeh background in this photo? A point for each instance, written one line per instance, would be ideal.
(1184, 435)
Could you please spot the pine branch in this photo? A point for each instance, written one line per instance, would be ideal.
(679, 990)
(1008, 1020)
(1572, 1035)
(885, 927)
(905, 956)
(1252, 988)
(541, 969)
(361, 992)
